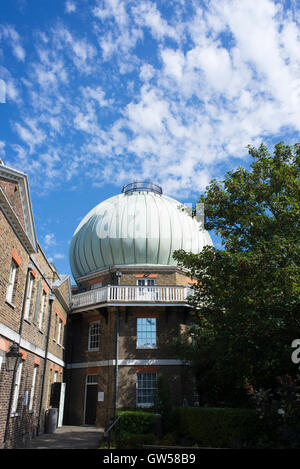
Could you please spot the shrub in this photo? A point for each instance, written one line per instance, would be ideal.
(137, 440)
(137, 428)
(219, 427)
(279, 409)
(137, 421)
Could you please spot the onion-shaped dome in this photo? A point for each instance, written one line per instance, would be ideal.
(140, 226)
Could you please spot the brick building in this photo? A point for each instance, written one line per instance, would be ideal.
(34, 303)
(129, 302)
(105, 339)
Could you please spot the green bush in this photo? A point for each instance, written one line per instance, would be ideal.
(137, 440)
(137, 422)
(137, 428)
(219, 427)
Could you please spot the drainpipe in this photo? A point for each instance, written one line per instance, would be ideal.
(51, 299)
(30, 265)
(117, 359)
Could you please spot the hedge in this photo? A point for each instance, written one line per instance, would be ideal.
(219, 427)
(137, 421)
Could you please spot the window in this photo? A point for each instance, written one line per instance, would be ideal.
(28, 297)
(55, 328)
(146, 281)
(91, 379)
(11, 282)
(59, 332)
(145, 387)
(96, 285)
(146, 289)
(94, 336)
(42, 310)
(33, 387)
(146, 332)
(17, 388)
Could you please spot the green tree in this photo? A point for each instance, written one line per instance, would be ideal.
(246, 300)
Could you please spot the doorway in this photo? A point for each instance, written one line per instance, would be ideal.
(90, 407)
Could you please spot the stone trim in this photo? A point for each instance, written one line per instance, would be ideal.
(132, 362)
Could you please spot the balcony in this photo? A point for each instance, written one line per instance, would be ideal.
(130, 295)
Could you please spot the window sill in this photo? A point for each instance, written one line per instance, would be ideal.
(27, 320)
(10, 304)
(146, 347)
(93, 349)
(14, 414)
(41, 332)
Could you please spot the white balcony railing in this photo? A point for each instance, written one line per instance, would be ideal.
(131, 294)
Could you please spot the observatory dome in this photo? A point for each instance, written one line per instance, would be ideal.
(140, 226)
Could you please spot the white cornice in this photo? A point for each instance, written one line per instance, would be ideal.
(15, 223)
(133, 268)
(21, 179)
(26, 345)
(124, 362)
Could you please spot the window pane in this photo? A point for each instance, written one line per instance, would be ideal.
(94, 336)
(28, 297)
(17, 387)
(91, 379)
(146, 332)
(11, 282)
(146, 384)
(42, 310)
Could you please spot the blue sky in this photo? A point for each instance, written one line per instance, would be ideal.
(101, 92)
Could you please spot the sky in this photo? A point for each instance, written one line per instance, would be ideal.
(97, 93)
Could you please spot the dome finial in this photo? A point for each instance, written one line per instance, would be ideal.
(146, 186)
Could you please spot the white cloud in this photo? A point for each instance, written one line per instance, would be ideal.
(70, 7)
(59, 256)
(30, 133)
(112, 9)
(173, 62)
(96, 94)
(170, 95)
(147, 15)
(49, 240)
(9, 33)
(2, 149)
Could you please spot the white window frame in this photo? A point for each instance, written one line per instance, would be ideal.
(59, 332)
(33, 384)
(43, 301)
(152, 388)
(147, 288)
(146, 282)
(143, 331)
(94, 336)
(11, 281)
(28, 297)
(17, 389)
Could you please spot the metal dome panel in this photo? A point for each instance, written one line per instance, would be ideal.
(136, 227)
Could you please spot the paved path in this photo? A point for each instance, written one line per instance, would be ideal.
(68, 437)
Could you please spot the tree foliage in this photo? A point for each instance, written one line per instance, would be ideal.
(246, 300)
